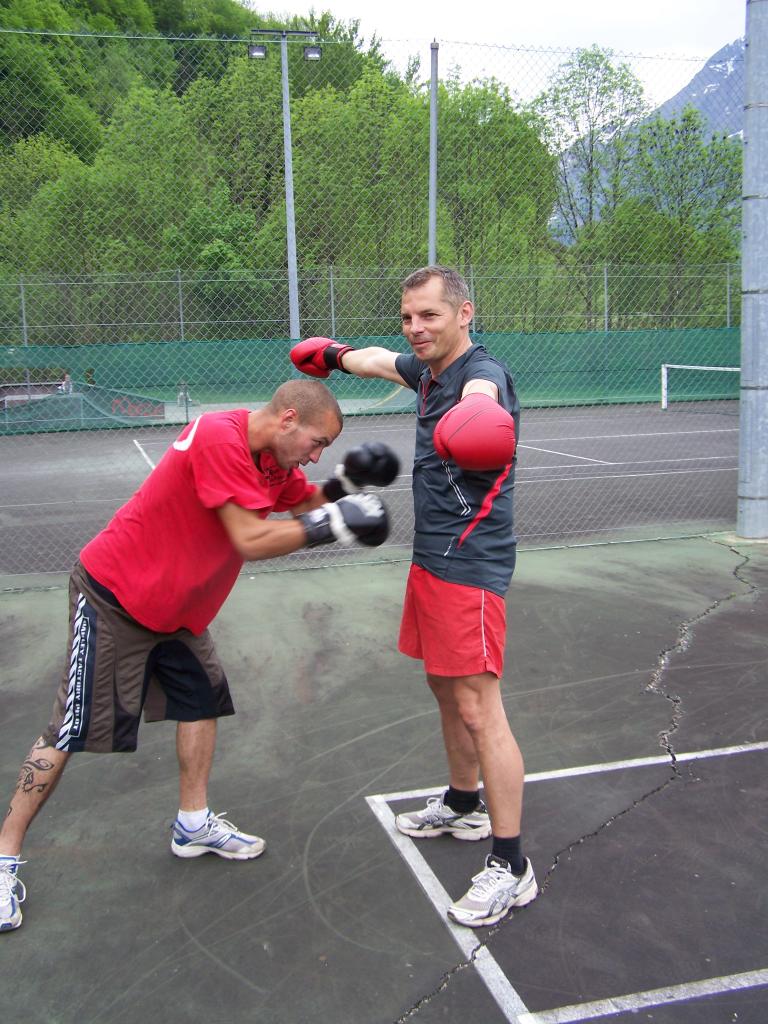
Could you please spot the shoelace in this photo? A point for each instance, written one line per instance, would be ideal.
(215, 823)
(218, 823)
(485, 881)
(9, 882)
(436, 810)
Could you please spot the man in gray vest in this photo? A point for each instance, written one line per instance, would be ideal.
(464, 547)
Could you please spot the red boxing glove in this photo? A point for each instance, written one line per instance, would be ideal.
(477, 433)
(318, 356)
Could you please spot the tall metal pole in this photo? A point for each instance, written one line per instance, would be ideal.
(332, 292)
(290, 212)
(752, 518)
(432, 227)
(181, 303)
(24, 331)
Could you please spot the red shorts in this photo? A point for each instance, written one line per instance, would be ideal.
(455, 630)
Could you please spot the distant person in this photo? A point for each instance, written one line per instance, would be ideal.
(65, 388)
(89, 377)
(454, 616)
(146, 588)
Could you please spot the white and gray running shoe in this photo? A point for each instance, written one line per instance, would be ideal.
(216, 836)
(493, 893)
(12, 893)
(437, 819)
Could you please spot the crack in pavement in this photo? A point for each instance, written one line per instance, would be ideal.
(655, 686)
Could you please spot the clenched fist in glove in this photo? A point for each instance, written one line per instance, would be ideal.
(369, 464)
(476, 434)
(361, 517)
(318, 356)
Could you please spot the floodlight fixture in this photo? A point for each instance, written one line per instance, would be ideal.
(313, 53)
(257, 51)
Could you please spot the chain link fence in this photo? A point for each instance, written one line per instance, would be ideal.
(592, 206)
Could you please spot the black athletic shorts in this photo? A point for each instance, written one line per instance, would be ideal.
(118, 668)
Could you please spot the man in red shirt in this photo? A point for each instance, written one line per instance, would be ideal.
(146, 588)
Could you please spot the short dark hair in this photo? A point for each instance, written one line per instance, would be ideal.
(310, 398)
(455, 287)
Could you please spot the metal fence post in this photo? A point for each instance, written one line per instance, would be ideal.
(332, 296)
(290, 211)
(605, 297)
(727, 294)
(432, 227)
(752, 518)
(24, 331)
(181, 305)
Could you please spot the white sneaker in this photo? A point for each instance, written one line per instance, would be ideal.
(218, 836)
(437, 819)
(493, 893)
(12, 893)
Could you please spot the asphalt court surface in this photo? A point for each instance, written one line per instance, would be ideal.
(635, 683)
(584, 474)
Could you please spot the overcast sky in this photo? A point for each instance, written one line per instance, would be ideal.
(682, 28)
(688, 27)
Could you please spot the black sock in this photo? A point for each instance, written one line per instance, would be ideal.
(509, 850)
(462, 801)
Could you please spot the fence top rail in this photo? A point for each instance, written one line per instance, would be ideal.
(425, 39)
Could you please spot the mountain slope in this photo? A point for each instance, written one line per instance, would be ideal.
(717, 91)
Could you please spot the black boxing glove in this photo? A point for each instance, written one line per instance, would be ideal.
(369, 464)
(361, 517)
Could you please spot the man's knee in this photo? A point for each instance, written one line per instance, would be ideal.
(442, 687)
(477, 701)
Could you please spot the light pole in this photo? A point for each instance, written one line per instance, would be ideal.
(432, 218)
(752, 516)
(258, 51)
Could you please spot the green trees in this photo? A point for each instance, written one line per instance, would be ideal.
(497, 186)
(642, 199)
(586, 115)
(688, 174)
(152, 156)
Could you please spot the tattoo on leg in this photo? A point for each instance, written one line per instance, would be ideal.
(27, 782)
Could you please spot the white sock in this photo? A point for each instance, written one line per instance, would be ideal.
(191, 821)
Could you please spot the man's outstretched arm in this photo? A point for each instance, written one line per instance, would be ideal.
(319, 356)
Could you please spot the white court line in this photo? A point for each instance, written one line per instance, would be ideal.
(626, 476)
(144, 455)
(499, 986)
(593, 769)
(45, 504)
(634, 462)
(653, 433)
(654, 997)
(496, 981)
(566, 455)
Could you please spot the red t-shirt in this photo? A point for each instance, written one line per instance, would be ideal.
(165, 554)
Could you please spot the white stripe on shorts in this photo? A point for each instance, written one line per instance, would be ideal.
(73, 710)
(482, 623)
